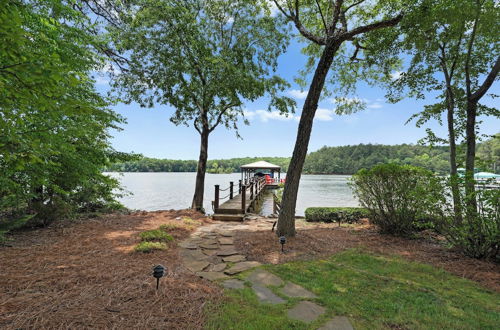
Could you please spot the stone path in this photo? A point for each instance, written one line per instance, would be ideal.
(210, 253)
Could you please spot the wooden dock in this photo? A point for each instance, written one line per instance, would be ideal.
(236, 200)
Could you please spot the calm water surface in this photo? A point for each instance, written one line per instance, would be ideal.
(163, 191)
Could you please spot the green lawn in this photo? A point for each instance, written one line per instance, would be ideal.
(373, 291)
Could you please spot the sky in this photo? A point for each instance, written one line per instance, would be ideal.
(150, 133)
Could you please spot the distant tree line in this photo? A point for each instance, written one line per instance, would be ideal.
(331, 160)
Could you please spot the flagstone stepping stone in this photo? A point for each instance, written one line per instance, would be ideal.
(196, 266)
(337, 323)
(226, 233)
(263, 277)
(233, 284)
(188, 245)
(267, 296)
(212, 276)
(296, 291)
(193, 255)
(209, 241)
(227, 252)
(234, 258)
(218, 268)
(209, 252)
(209, 246)
(226, 241)
(242, 266)
(305, 311)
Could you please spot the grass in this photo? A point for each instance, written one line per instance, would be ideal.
(155, 235)
(373, 291)
(150, 246)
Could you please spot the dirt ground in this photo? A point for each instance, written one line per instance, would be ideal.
(321, 240)
(86, 275)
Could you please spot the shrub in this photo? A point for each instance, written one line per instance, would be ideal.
(335, 214)
(150, 246)
(476, 233)
(155, 235)
(400, 198)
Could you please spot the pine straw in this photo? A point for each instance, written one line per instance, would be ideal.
(323, 240)
(88, 276)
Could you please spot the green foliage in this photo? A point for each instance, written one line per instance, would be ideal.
(350, 159)
(54, 126)
(335, 214)
(170, 226)
(400, 198)
(477, 234)
(155, 235)
(488, 154)
(203, 58)
(147, 246)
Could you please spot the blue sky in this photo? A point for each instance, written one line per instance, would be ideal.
(150, 132)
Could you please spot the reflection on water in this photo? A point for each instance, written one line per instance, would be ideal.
(163, 191)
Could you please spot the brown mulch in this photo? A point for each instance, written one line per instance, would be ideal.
(87, 275)
(323, 240)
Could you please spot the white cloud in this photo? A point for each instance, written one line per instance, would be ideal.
(265, 116)
(298, 94)
(375, 105)
(396, 75)
(324, 114)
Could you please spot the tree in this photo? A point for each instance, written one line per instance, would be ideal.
(54, 126)
(456, 39)
(328, 26)
(204, 58)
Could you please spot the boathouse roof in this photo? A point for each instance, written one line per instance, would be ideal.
(261, 165)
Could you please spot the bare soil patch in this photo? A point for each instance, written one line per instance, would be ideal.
(322, 240)
(87, 275)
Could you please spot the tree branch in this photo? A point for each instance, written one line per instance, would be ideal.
(295, 19)
(487, 82)
(322, 17)
(221, 114)
(370, 27)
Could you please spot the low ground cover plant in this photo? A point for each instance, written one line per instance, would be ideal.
(155, 235)
(148, 246)
(335, 214)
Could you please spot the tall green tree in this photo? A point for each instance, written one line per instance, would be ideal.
(54, 126)
(331, 28)
(204, 58)
(454, 51)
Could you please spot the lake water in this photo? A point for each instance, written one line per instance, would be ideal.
(163, 191)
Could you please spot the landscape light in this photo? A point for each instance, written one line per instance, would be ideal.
(282, 242)
(158, 272)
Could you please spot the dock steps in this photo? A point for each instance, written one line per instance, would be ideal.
(228, 217)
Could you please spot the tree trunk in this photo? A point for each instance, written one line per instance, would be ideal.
(199, 189)
(286, 219)
(470, 133)
(455, 190)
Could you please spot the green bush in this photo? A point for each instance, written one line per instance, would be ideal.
(150, 246)
(155, 235)
(475, 233)
(400, 198)
(335, 214)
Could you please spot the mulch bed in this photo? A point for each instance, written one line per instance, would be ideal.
(312, 242)
(86, 275)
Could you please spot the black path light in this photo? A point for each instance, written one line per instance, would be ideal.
(158, 272)
(282, 242)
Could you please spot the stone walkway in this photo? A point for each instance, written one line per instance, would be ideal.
(210, 253)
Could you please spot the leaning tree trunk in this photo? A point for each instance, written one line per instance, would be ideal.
(199, 189)
(286, 219)
(470, 136)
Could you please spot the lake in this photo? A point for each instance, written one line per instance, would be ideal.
(163, 191)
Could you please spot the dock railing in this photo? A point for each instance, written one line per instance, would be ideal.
(249, 190)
